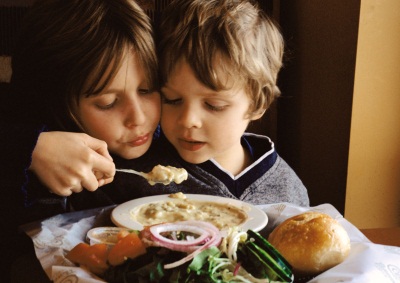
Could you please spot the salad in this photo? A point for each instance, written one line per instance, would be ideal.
(186, 251)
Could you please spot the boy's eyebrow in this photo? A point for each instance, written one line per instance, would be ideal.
(210, 93)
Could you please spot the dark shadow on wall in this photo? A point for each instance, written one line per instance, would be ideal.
(314, 111)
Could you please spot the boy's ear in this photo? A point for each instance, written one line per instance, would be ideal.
(257, 115)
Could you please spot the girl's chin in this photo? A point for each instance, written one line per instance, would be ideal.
(132, 153)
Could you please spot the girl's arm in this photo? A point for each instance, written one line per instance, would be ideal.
(67, 162)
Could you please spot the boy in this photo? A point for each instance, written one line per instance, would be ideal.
(219, 64)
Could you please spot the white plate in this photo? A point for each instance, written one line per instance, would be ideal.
(256, 218)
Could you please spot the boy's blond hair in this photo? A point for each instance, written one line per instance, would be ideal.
(246, 40)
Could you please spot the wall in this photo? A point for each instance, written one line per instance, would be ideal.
(373, 182)
(314, 112)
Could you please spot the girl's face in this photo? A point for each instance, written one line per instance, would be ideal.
(125, 114)
(201, 123)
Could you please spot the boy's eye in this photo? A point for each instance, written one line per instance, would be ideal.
(145, 91)
(215, 107)
(171, 101)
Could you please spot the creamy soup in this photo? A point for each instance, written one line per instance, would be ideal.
(178, 208)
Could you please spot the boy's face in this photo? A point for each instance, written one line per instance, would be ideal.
(125, 114)
(203, 124)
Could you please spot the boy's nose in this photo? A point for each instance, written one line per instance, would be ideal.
(190, 118)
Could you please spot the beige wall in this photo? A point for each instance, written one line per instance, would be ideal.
(373, 182)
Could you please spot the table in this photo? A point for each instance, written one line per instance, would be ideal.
(384, 236)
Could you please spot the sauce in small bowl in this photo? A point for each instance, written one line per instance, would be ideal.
(104, 235)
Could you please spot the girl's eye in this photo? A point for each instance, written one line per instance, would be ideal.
(106, 106)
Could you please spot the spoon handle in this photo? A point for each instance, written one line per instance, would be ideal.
(132, 172)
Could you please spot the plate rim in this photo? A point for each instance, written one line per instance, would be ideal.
(257, 218)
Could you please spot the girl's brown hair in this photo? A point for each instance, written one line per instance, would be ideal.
(66, 47)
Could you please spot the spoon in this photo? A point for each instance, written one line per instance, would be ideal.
(144, 175)
(161, 174)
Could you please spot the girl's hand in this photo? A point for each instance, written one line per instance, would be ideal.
(68, 162)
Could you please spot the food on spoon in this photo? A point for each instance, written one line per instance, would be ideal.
(311, 242)
(179, 208)
(166, 175)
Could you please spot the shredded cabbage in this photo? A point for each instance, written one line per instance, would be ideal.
(223, 269)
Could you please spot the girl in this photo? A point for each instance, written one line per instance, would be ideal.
(84, 76)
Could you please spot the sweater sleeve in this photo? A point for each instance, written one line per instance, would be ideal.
(22, 188)
(279, 184)
(294, 186)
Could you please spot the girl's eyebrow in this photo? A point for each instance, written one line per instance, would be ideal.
(103, 92)
(126, 72)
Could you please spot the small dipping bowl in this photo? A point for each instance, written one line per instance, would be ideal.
(104, 235)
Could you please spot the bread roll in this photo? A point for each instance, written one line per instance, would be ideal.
(311, 242)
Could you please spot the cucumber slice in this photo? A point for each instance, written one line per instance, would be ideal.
(272, 267)
(259, 268)
(274, 253)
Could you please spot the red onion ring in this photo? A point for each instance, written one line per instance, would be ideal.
(236, 270)
(209, 236)
(178, 245)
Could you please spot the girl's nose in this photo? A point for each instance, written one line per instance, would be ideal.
(134, 114)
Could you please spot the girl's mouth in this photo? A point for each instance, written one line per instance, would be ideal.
(139, 140)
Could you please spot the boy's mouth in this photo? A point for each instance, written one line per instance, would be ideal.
(191, 145)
